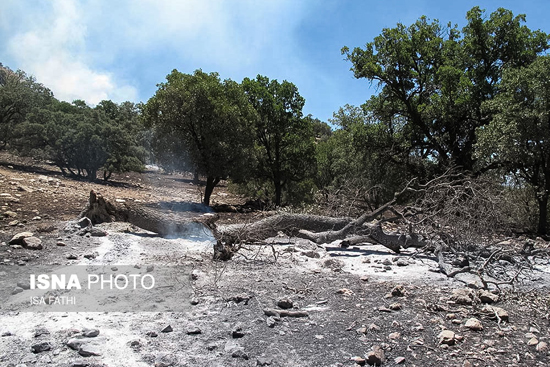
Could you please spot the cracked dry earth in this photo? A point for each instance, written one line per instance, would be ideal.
(288, 303)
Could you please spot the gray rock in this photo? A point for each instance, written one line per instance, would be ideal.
(285, 303)
(33, 243)
(398, 291)
(41, 331)
(84, 222)
(96, 232)
(167, 329)
(447, 337)
(376, 356)
(474, 324)
(41, 347)
(90, 333)
(24, 285)
(166, 360)
(152, 334)
(88, 350)
(237, 331)
(239, 353)
(76, 343)
(72, 257)
(193, 330)
(487, 297)
(271, 322)
(17, 290)
(19, 237)
(463, 296)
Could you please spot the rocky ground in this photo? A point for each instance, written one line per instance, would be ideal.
(287, 303)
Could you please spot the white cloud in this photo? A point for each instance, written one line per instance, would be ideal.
(54, 51)
(75, 47)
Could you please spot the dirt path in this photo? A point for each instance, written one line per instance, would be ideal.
(356, 299)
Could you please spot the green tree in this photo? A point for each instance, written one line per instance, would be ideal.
(206, 121)
(284, 139)
(19, 95)
(518, 137)
(434, 78)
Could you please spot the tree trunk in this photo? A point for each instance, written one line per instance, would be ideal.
(278, 192)
(211, 182)
(543, 213)
(99, 210)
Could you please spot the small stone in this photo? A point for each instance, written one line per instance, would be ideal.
(88, 350)
(447, 337)
(167, 329)
(360, 361)
(193, 330)
(76, 343)
(399, 360)
(239, 353)
(402, 263)
(61, 244)
(80, 363)
(487, 297)
(345, 292)
(41, 331)
(374, 327)
(285, 303)
(18, 238)
(150, 268)
(533, 341)
(376, 356)
(32, 243)
(6, 333)
(72, 257)
(37, 218)
(364, 278)
(17, 290)
(152, 334)
(41, 347)
(194, 301)
(494, 312)
(84, 222)
(398, 291)
(396, 306)
(271, 322)
(90, 333)
(10, 214)
(166, 360)
(237, 332)
(474, 324)
(13, 223)
(463, 296)
(542, 347)
(395, 336)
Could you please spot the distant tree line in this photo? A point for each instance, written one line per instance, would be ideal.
(475, 99)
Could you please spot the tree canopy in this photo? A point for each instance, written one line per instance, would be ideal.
(434, 78)
(206, 121)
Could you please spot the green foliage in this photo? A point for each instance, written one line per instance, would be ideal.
(81, 140)
(357, 162)
(434, 79)
(205, 123)
(285, 148)
(518, 137)
(20, 94)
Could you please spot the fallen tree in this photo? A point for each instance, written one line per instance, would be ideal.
(454, 216)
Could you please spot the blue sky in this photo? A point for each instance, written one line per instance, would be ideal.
(120, 49)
